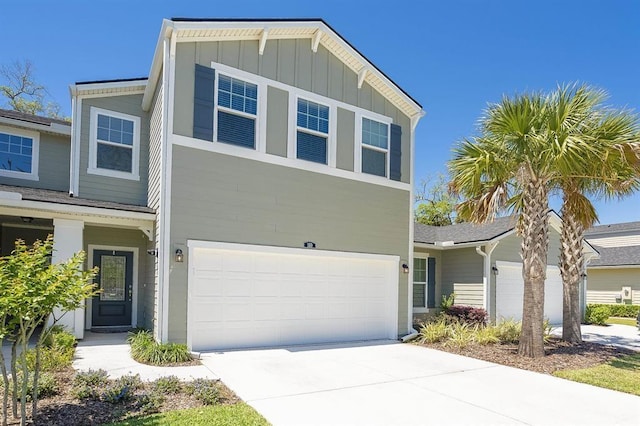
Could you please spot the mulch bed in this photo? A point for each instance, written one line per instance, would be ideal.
(64, 409)
(560, 355)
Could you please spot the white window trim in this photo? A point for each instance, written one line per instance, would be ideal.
(260, 154)
(292, 145)
(259, 118)
(35, 153)
(358, 145)
(93, 145)
(422, 309)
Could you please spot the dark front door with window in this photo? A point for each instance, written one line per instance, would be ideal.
(112, 307)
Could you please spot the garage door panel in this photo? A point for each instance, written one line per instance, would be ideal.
(250, 298)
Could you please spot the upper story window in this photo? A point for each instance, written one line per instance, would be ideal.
(375, 147)
(237, 111)
(114, 147)
(19, 153)
(312, 131)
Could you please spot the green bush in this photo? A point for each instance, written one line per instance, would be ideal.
(597, 315)
(619, 310)
(508, 331)
(47, 385)
(167, 385)
(146, 350)
(486, 335)
(150, 403)
(56, 352)
(89, 384)
(461, 335)
(434, 332)
(204, 390)
(121, 389)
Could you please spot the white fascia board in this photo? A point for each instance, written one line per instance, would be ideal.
(637, 266)
(60, 129)
(156, 64)
(71, 209)
(114, 86)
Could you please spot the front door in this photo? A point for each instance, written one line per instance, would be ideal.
(112, 307)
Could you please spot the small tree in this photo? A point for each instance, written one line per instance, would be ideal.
(24, 94)
(31, 287)
(436, 205)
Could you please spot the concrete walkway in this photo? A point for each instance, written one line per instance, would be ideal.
(388, 383)
(110, 352)
(624, 336)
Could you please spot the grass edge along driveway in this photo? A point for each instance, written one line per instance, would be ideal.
(239, 414)
(621, 374)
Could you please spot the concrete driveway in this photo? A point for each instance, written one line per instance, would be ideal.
(387, 383)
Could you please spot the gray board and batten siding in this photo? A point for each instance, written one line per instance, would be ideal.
(108, 188)
(273, 206)
(290, 62)
(53, 164)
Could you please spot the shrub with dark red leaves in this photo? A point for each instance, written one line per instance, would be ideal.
(468, 314)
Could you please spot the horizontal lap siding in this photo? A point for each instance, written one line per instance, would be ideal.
(230, 199)
(462, 266)
(109, 188)
(290, 62)
(469, 294)
(53, 165)
(604, 285)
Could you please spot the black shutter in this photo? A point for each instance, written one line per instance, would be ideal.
(203, 103)
(431, 282)
(395, 162)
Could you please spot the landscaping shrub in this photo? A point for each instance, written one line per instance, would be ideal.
(146, 350)
(468, 314)
(167, 385)
(204, 390)
(461, 335)
(485, 335)
(89, 384)
(433, 332)
(624, 311)
(47, 385)
(56, 352)
(597, 315)
(508, 331)
(447, 301)
(121, 389)
(150, 403)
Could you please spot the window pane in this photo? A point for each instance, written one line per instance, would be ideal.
(114, 157)
(419, 295)
(375, 133)
(15, 153)
(374, 162)
(419, 269)
(103, 121)
(115, 136)
(237, 94)
(312, 148)
(236, 130)
(112, 277)
(127, 138)
(313, 116)
(127, 126)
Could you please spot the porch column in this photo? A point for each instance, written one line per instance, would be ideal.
(68, 240)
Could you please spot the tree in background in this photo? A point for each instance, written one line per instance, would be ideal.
(24, 94)
(436, 205)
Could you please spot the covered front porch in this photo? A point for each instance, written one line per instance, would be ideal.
(115, 237)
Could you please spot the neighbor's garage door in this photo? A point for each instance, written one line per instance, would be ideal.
(244, 296)
(510, 290)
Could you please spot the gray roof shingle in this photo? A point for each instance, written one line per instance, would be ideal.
(36, 119)
(464, 232)
(613, 228)
(60, 197)
(617, 256)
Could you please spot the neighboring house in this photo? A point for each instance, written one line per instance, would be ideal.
(255, 190)
(615, 277)
(482, 266)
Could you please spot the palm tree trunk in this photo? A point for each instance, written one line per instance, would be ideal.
(534, 229)
(571, 267)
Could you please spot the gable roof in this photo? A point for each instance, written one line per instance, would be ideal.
(35, 122)
(613, 228)
(316, 30)
(460, 233)
(617, 256)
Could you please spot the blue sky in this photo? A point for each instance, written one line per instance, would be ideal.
(452, 56)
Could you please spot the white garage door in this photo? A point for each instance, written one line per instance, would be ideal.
(510, 290)
(243, 296)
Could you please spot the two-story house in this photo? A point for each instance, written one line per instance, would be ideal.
(254, 190)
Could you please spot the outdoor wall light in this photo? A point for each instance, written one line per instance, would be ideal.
(152, 252)
(309, 244)
(179, 256)
(405, 268)
(494, 270)
(583, 275)
(26, 219)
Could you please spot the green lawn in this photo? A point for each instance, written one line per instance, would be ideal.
(622, 321)
(622, 374)
(239, 414)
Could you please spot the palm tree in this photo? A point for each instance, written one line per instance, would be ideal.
(524, 150)
(611, 173)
